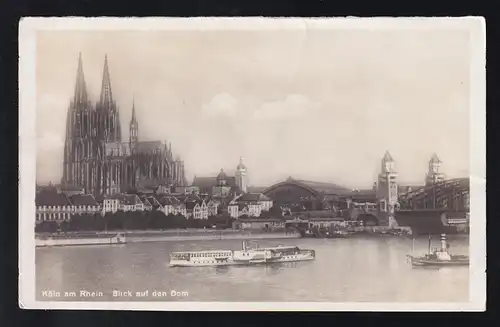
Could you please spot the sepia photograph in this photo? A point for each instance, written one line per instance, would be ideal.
(252, 164)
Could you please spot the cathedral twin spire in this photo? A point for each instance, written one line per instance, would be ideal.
(80, 86)
(106, 98)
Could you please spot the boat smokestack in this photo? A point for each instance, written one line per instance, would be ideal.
(443, 242)
(244, 245)
(430, 244)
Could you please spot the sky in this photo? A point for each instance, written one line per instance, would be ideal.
(314, 104)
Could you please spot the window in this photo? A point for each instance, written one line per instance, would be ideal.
(383, 205)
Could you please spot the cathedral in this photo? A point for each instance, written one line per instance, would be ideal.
(97, 159)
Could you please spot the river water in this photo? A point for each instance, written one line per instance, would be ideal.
(345, 270)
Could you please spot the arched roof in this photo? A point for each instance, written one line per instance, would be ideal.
(315, 188)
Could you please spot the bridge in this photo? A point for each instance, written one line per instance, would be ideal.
(452, 194)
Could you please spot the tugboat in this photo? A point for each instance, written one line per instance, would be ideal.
(438, 257)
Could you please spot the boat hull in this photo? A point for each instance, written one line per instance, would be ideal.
(51, 242)
(421, 262)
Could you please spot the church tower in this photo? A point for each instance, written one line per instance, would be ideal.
(80, 146)
(433, 174)
(133, 129)
(241, 176)
(110, 126)
(387, 189)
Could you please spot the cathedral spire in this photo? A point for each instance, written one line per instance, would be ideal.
(106, 94)
(80, 87)
(134, 119)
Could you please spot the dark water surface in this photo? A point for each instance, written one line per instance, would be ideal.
(345, 270)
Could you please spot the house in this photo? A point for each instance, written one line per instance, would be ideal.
(197, 210)
(52, 205)
(147, 205)
(250, 204)
(123, 202)
(84, 204)
(155, 205)
(171, 205)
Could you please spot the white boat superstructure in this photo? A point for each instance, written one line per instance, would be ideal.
(246, 256)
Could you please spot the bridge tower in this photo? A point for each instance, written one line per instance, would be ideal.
(433, 174)
(387, 191)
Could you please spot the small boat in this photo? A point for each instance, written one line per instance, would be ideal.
(438, 257)
(247, 256)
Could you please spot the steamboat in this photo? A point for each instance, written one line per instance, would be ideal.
(438, 257)
(248, 255)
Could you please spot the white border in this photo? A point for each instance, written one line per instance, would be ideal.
(27, 152)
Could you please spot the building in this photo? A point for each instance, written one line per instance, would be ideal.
(52, 204)
(241, 176)
(171, 205)
(301, 195)
(434, 175)
(97, 159)
(387, 190)
(122, 202)
(249, 204)
(222, 185)
(84, 204)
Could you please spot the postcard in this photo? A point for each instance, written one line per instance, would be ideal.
(221, 164)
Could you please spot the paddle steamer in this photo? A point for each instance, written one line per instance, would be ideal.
(246, 256)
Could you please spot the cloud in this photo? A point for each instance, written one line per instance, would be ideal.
(221, 104)
(295, 105)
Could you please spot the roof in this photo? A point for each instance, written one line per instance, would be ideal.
(70, 188)
(435, 159)
(51, 198)
(241, 165)
(221, 175)
(204, 182)
(83, 200)
(191, 205)
(387, 157)
(253, 197)
(167, 200)
(324, 187)
(152, 200)
(256, 189)
(149, 146)
(129, 199)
